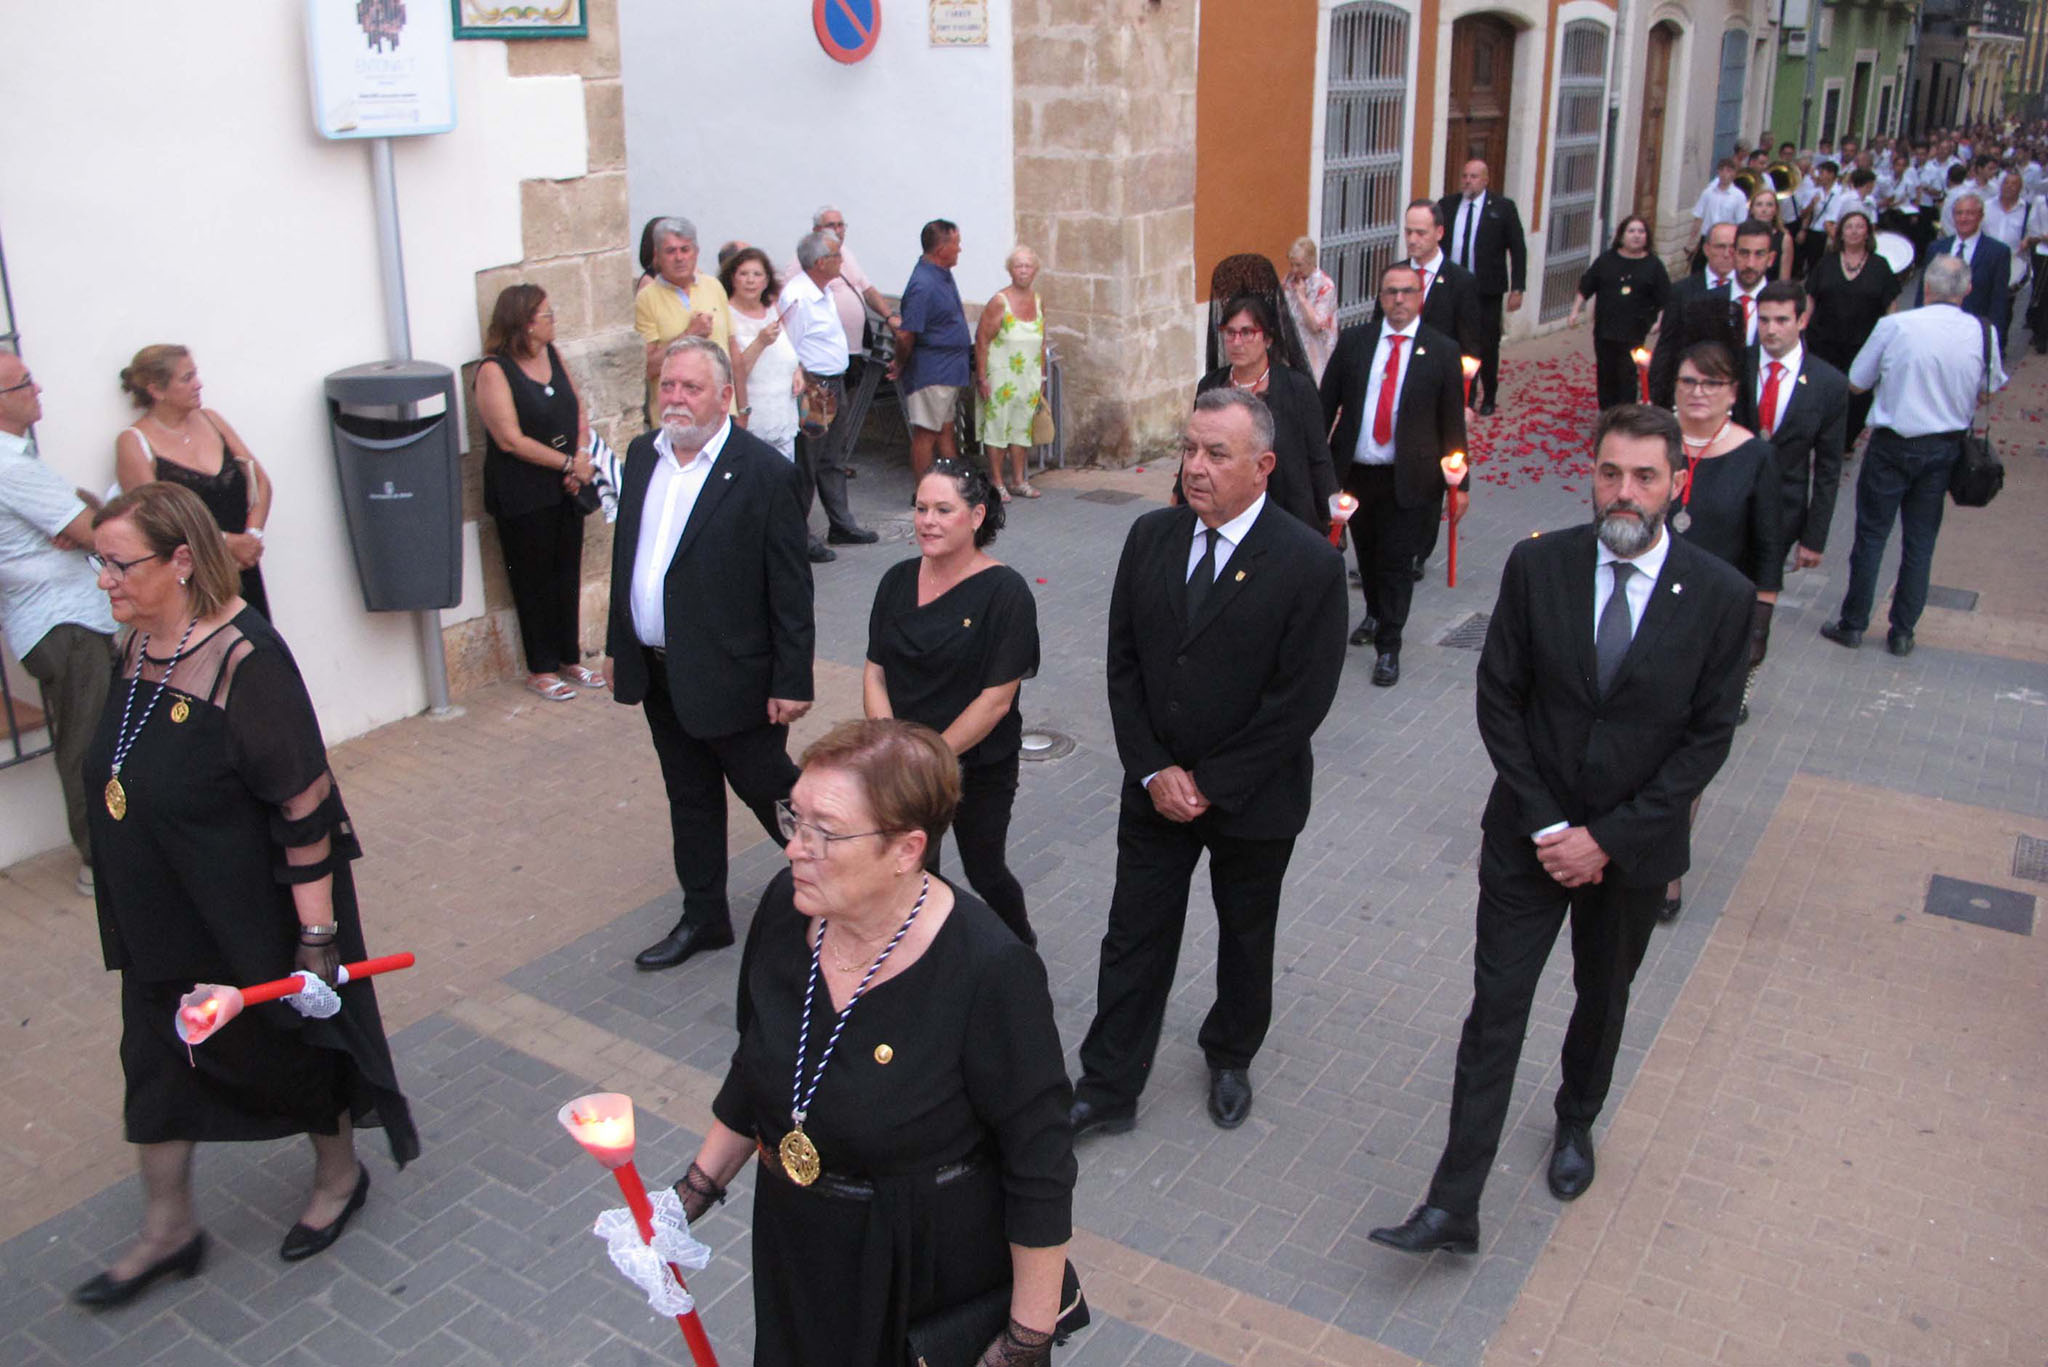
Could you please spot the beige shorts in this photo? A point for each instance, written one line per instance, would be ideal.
(934, 407)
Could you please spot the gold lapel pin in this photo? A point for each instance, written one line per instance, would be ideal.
(1240, 576)
(883, 1054)
(966, 621)
(1678, 588)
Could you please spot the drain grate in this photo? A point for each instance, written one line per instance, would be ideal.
(2030, 859)
(1962, 600)
(1108, 496)
(1468, 633)
(1981, 904)
(1044, 743)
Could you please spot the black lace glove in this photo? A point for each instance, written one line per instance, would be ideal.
(698, 1193)
(1759, 632)
(323, 958)
(1017, 1346)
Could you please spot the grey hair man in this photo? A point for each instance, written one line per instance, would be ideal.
(853, 294)
(680, 301)
(811, 320)
(1925, 367)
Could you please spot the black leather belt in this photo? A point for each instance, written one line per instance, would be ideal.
(859, 1188)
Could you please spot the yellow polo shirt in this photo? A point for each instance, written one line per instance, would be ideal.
(660, 315)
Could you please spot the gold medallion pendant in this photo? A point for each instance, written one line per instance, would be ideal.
(179, 711)
(117, 799)
(800, 1157)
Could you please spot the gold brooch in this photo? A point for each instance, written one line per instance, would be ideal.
(883, 1054)
(1240, 576)
(179, 711)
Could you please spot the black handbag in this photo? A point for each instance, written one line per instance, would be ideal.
(1978, 474)
(957, 1335)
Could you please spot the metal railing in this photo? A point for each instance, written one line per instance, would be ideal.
(23, 720)
(1362, 150)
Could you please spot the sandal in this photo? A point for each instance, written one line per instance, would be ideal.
(1028, 491)
(553, 690)
(589, 678)
(1002, 493)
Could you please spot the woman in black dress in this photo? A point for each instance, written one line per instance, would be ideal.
(1259, 361)
(1628, 286)
(1851, 288)
(195, 447)
(952, 636)
(1765, 208)
(536, 459)
(1730, 505)
(221, 853)
(898, 1073)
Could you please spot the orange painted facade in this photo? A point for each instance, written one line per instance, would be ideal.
(1254, 126)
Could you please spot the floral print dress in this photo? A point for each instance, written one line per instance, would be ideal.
(1016, 375)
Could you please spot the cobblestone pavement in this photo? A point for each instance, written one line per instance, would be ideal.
(1823, 1147)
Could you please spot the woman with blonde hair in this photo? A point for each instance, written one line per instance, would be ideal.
(1312, 299)
(194, 446)
(1009, 354)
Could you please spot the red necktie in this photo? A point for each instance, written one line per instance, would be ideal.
(1768, 412)
(1383, 420)
(1426, 277)
(1745, 317)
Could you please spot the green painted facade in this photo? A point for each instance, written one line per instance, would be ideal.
(1876, 34)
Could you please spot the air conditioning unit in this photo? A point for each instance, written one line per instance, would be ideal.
(1795, 42)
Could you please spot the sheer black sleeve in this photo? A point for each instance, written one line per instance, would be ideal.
(275, 746)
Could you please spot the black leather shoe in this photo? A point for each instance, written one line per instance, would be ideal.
(103, 1292)
(1899, 643)
(1429, 1229)
(1668, 911)
(1366, 631)
(851, 536)
(1230, 1096)
(1841, 635)
(1571, 1162)
(1386, 670)
(302, 1241)
(679, 944)
(1091, 1117)
(820, 554)
(1416, 568)
(1742, 714)
(1486, 409)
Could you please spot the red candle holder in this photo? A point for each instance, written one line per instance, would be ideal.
(209, 1006)
(1470, 365)
(1454, 473)
(1342, 506)
(1642, 359)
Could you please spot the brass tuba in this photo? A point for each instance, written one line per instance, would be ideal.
(1784, 178)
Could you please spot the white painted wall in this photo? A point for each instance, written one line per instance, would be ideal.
(161, 182)
(736, 119)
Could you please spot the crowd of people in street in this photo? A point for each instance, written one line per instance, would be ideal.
(899, 1079)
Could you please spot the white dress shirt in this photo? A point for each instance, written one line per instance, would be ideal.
(1467, 223)
(1368, 451)
(671, 496)
(1791, 360)
(1641, 584)
(812, 321)
(1432, 270)
(1717, 205)
(1228, 538)
(1965, 247)
(2012, 226)
(1924, 367)
(41, 587)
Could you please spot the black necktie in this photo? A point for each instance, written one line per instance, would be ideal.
(1204, 577)
(1611, 638)
(1471, 224)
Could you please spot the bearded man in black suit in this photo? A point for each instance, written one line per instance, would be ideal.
(1608, 689)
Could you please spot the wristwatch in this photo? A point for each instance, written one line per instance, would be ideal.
(256, 532)
(744, 410)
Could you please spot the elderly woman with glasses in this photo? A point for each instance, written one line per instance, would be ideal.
(898, 1075)
(1260, 361)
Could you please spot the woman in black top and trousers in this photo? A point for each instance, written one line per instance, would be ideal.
(536, 459)
(952, 636)
(1628, 286)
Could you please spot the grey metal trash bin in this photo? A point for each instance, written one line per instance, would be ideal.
(395, 448)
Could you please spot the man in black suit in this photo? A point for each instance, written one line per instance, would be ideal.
(1701, 308)
(1226, 642)
(1395, 392)
(710, 624)
(1486, 239)
(1990, 263)
(1801, 404)
(1450, 296)
(1607, 696)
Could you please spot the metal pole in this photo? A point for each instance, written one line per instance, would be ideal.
(398, 334)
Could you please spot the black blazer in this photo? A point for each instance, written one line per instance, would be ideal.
(1452, 306)
(1990, 296)
(1812, 430)
(1303, 478)
(1500, 255)
(1626, 765)
(736, 604)
(1695, 314)
(1234, 695)
(1429, 417)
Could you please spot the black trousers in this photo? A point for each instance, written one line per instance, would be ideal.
(695, 770)
(1521, 909)
(1490, 327)
(1387, 538)
(820, 462)
(1155, 862)
(1614, 373)
(544, 565)
(981, 830)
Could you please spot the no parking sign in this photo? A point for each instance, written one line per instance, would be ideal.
(847, 29)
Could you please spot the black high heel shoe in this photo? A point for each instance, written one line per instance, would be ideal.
(302, 1241)
(104, 1291)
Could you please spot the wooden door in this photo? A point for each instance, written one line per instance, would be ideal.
(1482, 86)
(1650, 145)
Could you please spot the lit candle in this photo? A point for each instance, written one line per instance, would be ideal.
(1342, 506)
(1454, 471)
(1471, 366)
(603, 1124)
(1642, 359)
(1454, 467)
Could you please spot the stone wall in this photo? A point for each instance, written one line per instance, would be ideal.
(578, 246)
(1105, 165)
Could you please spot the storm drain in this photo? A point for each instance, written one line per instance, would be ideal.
(1962, 600)
(1108, 496)
(1981, 904)
(1467, 633)
(1043, 743)
(2030, 859)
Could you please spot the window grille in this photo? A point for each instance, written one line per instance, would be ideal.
(1362, 151)
(1575, 165)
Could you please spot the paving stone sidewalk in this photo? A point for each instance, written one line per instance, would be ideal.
(1808, 1054)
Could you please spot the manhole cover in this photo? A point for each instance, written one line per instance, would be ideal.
(1042, 743)
(1962, 600)
(2030, 859)
(1981, 904)
(1108, 496)
(1469, 633)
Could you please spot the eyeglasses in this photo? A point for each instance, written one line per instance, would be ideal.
(1242, 334)
(832, 227)
(1399, 290)
(27, 380)
(1700, 383)
(813, 839)
(548, 314)
(101, 564)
